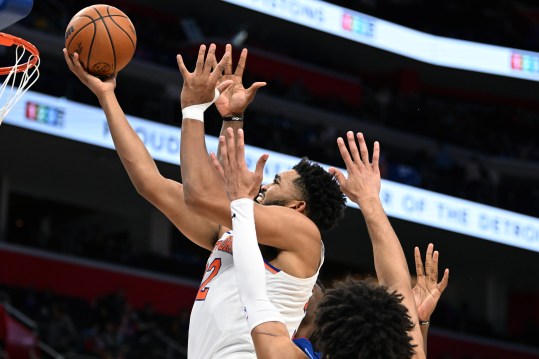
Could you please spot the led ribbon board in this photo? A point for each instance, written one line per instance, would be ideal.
(417, 45)
(87, 124)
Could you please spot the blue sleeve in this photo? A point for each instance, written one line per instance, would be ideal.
(306, 346)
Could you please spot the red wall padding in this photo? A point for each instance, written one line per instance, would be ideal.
(442, 346)
(88, 281)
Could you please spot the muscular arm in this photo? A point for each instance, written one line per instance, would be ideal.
(165, 194)
(363, 187)
(390, 263)
(266, 325)
(205, 195)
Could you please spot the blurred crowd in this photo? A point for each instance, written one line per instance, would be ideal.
(110, 328)
(107, 328)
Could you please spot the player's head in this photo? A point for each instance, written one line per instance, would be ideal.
(307, 325)
(360, 319)
(310, 189)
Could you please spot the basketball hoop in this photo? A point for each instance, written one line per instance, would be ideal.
(21, 76)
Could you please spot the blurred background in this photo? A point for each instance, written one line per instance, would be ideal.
(88, 269)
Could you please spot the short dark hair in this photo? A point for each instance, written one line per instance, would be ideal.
(362, 320)
(320, 190)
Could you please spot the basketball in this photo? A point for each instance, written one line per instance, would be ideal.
(104, 38)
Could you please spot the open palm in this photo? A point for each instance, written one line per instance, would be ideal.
(234, 100)
(428, 290)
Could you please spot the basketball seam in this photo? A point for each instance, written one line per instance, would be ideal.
(121, 28)
(91, 47)
(102, 18)
(93, 21)
(82, 28)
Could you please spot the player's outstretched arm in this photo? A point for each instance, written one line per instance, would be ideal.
(267, 328)
(165, 194)
(203, 187)
(363, 187)
(234, 100)
(427, 290)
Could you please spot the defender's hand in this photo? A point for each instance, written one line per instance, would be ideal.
(239, 181)
(234, 100)
(363, 180)
(428, 290)
(199, 86)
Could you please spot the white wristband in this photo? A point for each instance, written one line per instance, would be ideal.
(196, 112)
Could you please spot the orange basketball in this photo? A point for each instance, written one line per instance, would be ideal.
(104, 38)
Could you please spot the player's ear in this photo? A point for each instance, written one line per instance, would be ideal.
(300, 206)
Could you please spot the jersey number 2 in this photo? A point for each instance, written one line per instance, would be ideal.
(214, 269)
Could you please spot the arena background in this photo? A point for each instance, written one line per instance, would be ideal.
(101, 273)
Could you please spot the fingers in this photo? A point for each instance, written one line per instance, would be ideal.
(418, 263)
(228, 64)
(73, 62)
(251, 91)
(181, 66)
(428, 260)
(67, 57)
(240, 147)
(363, 149)
(345, 154)
(210, 60)
(444, 282)
(217, 165)
(241, 63)
(260, 164)
(223, 86)
(220, 67)
(214, 66)
(224, 153)
(338, 175)
(70, 61)
(200, 59)
(434, 268)
(376, 156)
(353, 147)
(231, 148)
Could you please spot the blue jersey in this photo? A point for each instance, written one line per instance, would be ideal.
(306, 346)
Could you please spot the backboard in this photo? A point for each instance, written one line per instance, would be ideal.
(12, 11)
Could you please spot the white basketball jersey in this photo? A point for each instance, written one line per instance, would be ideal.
(217, 328)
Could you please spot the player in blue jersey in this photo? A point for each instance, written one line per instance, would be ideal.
(356, 319)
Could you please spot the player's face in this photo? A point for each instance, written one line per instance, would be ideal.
(281, 191)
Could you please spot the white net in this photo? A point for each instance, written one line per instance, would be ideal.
(19, 78)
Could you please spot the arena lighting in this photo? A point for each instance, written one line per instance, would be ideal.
(87, 124)
(417, 45)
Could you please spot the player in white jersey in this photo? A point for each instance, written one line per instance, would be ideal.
(223, 331)
(294, 209)
(300, 202)
(356, 319)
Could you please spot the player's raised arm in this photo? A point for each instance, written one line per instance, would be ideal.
(283, 227)
(427, 290)
(363, 187)
(266, 325)
(234, 100)
(165, 194)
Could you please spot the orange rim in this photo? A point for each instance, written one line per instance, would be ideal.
(10, 40)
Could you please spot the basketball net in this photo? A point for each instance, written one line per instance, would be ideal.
(19, 77)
